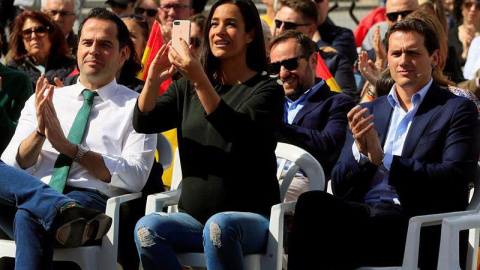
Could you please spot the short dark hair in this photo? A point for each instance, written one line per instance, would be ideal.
(307, 45)
(59, 47)
(256, 54)
(415, 25)
(307, 8)
(123, 35)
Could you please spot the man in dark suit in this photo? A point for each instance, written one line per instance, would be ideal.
(315, 118)
(340, 38)
(412, 152)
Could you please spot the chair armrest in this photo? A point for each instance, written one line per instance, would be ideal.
(113, 210)
(276, 230)
(410, 258)
(156, 202)
(449, 244)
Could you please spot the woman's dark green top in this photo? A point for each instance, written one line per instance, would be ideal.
(228, 157)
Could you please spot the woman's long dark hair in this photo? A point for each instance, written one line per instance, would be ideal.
(256, 54)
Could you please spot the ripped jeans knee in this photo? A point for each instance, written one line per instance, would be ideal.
(145, 237)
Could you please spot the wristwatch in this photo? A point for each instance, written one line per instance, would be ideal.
(82, 150)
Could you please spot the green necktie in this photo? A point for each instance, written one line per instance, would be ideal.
(75, 135)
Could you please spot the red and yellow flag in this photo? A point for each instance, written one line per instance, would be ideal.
(155, 41)
(324, 73)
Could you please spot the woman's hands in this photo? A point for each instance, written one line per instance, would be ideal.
(161, 69)
(187, 63)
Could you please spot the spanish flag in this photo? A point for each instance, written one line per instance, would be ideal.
(324, 73)
(155, 41)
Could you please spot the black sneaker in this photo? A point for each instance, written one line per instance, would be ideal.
(76, 225)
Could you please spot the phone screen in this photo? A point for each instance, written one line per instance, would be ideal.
(181, 29)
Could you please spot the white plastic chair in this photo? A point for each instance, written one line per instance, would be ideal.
(452, 223)
(272, 259)
(165, 151)
(102, 257)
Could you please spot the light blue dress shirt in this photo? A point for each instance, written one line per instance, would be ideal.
(293, 107)
(397, 133)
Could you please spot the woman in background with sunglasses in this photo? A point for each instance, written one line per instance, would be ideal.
(38, 47)
(149, 10)
(467, 13)
(226, 110)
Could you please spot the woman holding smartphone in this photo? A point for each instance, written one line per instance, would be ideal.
(226, 110)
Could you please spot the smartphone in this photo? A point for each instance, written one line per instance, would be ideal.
(181, 29)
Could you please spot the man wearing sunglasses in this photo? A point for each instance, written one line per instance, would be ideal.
(315, 118)
(64, 13)
(302, 15)
(396, 10)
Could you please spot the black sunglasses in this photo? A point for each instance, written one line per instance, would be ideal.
(40, 31)
(469, 5)
(393, 16)
(290, 64)
(150, 11)
(135, 17)
(115, 4)
(288, 25)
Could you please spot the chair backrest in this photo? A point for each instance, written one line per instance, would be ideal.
(298, 158)
(164, 151)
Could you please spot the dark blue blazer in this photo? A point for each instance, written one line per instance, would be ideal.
(438, 161)
(320, 126)
(340, 38)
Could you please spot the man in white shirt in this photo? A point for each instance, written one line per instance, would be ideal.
(111, 159)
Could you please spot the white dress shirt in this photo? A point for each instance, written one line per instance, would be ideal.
(128, 155)
(472, 63)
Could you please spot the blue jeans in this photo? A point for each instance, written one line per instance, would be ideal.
(225, 238)
(28, 208)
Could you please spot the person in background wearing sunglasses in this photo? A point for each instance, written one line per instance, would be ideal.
(315, 118)
(467, 14)
(121, 6)
(148, 9)
(302, 15)
(340, 38)
(64, 13)
(396, 10)
(171, 10)
(38, 47)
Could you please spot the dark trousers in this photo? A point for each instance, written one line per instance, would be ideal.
(330, 233)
